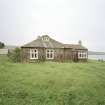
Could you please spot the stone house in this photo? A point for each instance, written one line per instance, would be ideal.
(44, 48)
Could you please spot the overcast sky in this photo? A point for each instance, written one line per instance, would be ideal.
(67, 21)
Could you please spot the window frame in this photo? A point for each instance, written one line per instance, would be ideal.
(34, 53)
(45, 38)
(50, 53)
(82, 54)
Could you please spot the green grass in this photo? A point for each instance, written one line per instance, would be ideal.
(52, 83)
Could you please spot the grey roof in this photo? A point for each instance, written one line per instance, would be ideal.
(75, 46)
(39, 42)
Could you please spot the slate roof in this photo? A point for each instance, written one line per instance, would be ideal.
(44, 44)
(75, 46)
(39, 42)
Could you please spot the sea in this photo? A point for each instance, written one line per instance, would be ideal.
(96, 57)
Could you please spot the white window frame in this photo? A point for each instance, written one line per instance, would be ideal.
(83, 54)
(50, 52)
(34, 53)
(45, 38)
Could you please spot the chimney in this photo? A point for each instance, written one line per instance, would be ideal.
(80, 42)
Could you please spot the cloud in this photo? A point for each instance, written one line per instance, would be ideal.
(65, 20)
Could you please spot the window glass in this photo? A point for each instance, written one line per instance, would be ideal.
(49, 54)
(82, 54)
(33, 53)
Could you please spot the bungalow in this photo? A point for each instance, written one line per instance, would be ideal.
(47, 49)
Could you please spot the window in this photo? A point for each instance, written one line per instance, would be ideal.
(82, 55)
(45, 38)
(33, 53)
(49, 54)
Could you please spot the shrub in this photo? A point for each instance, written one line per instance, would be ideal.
(15, 55)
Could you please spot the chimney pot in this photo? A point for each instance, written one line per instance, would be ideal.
(80, 42)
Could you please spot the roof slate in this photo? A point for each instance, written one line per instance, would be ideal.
(51, 43)
(39, 42)
(75, 46)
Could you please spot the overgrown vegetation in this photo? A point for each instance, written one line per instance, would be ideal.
(15, 55)
(52, 83)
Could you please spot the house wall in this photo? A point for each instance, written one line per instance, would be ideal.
(75, 55)
(60, 54)
(82, 59)
(68, 55)
(26, 55)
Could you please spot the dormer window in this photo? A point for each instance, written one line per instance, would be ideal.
(45, 38)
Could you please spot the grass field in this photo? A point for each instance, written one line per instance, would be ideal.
(52, 83)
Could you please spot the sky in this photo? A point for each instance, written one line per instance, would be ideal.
(67, 21)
